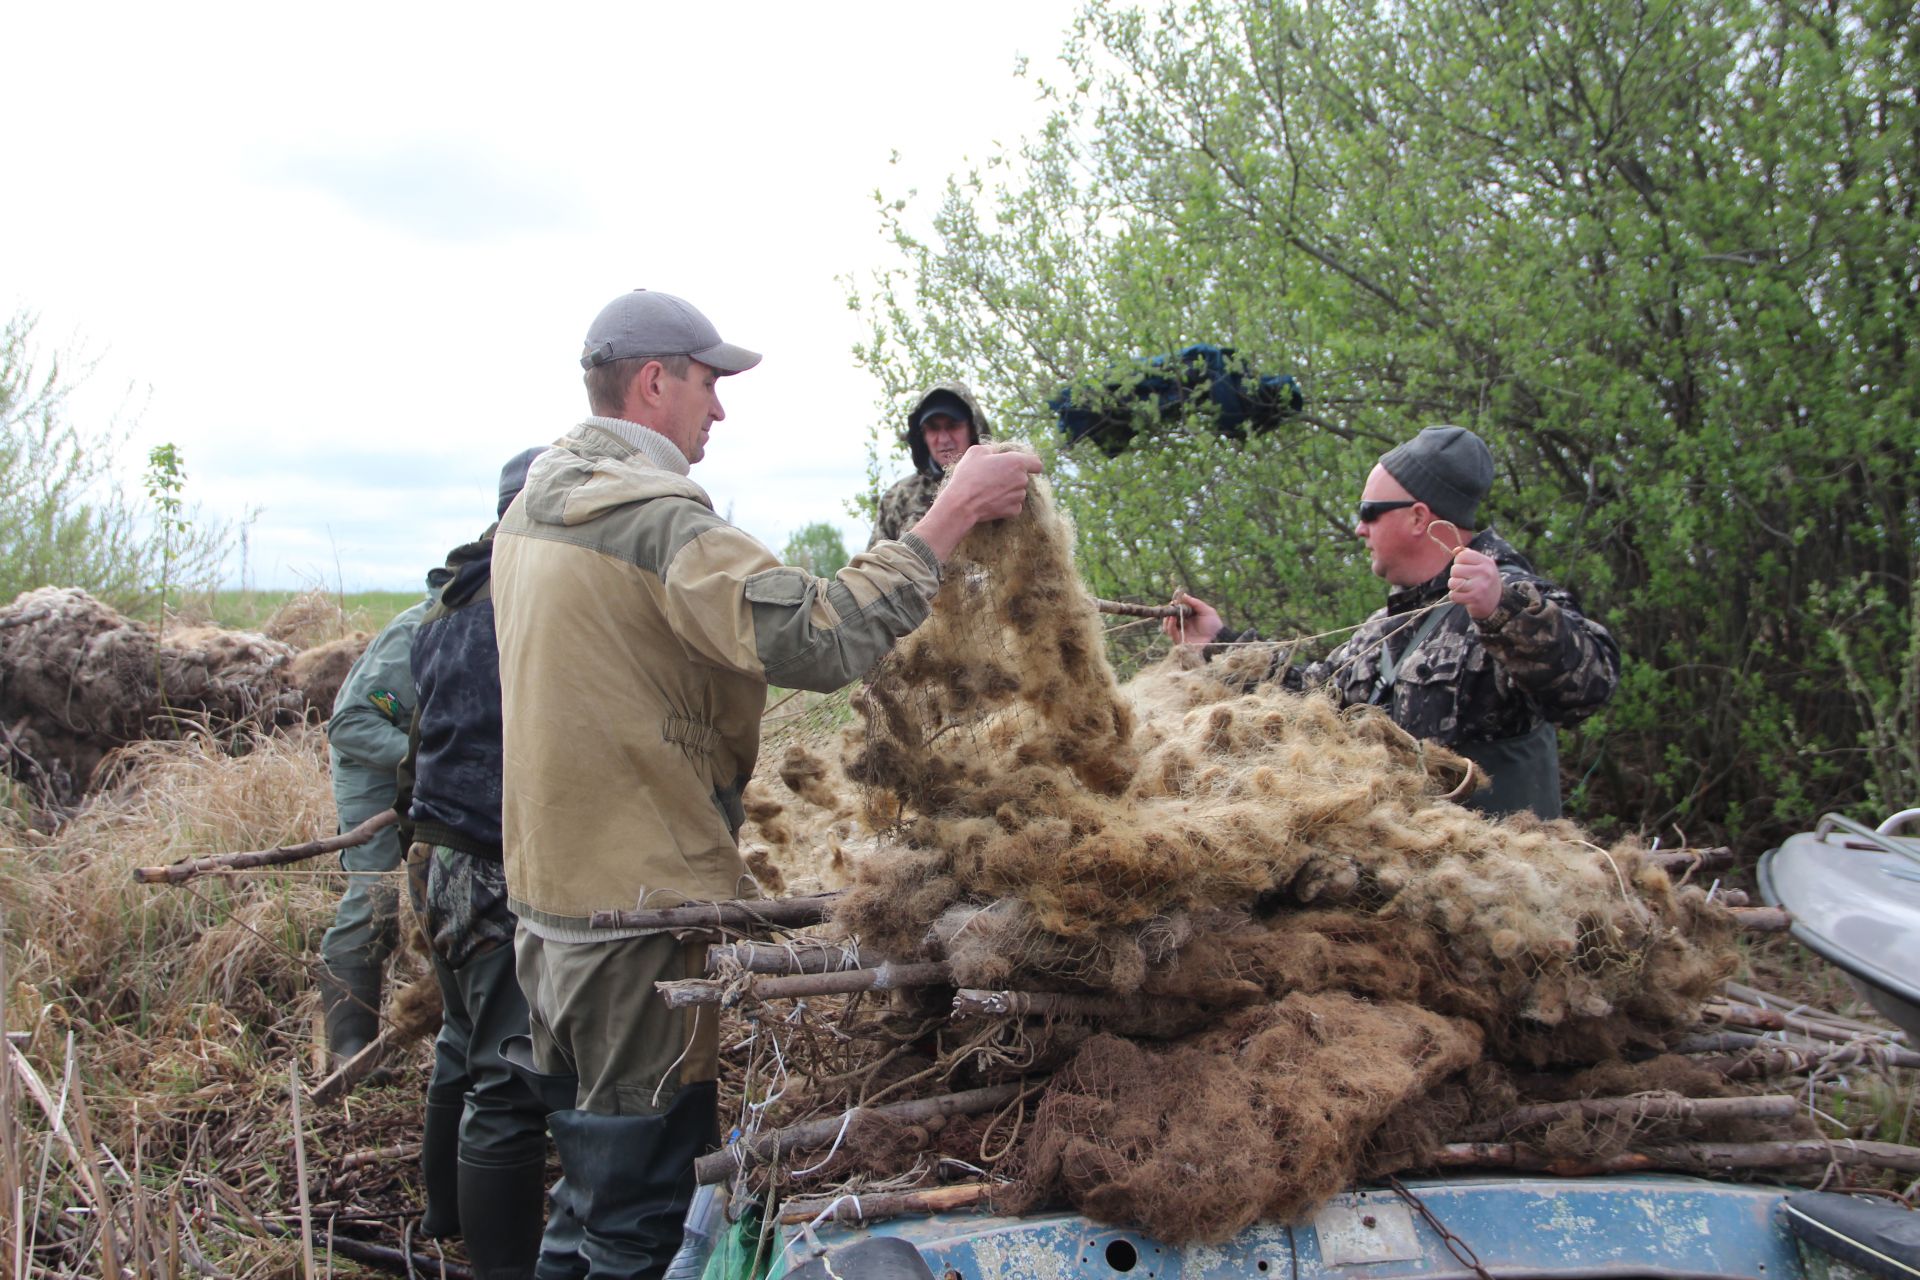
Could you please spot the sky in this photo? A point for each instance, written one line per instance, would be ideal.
(343, 256)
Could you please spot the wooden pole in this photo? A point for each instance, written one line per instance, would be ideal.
(1761, 919)
(1648, 1107)
(1779, 1057)
(1768, 1000)
(750, 1153)
(1736, 1014)
(888, 977)
(1126, 609)
(801, 955)
(744, 915)
(1678, 862)
(178, 872)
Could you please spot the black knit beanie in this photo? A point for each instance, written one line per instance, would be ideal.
(1448, 468)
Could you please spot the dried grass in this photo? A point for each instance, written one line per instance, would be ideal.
(178, 1011)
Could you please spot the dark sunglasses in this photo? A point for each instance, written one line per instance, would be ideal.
(1371, 511)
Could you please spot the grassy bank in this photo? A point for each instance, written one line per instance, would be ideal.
(249, 610)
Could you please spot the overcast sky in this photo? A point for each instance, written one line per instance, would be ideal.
(345, 254)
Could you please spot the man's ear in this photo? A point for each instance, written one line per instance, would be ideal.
(643, 388)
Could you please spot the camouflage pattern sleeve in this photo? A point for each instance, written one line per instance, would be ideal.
(902, 506)
(1567, 663)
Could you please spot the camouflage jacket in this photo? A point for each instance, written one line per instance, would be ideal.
(902, 506)
(1536, 658)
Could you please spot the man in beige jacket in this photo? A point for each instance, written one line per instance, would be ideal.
(639, 632)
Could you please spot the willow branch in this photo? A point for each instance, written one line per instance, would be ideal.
(750, 1153)
(178, 872)
(888, 977)
(744, 914)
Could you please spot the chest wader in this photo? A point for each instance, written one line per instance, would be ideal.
(1524, 770)
(1525, 773)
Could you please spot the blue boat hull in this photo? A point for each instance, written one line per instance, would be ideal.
(1605, 1227)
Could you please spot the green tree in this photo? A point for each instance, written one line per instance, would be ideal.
(65, 520)
(1661, 253)
(818, 549)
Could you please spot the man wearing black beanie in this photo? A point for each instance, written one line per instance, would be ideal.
(1473, 649)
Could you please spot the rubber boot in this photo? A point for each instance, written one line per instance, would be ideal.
(632, 1180)
(440, 1167)
(504, 1211)
(560, 1247)
(350, 996)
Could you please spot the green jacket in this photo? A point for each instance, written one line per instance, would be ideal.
(638, 634)
(367, 736)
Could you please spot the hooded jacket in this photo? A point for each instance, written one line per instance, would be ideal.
(902, 505)
(456, 675)
(638, 634)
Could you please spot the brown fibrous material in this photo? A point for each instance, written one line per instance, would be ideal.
(1316, 937)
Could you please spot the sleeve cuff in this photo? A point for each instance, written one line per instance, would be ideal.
(916, 544)
(1515, 597)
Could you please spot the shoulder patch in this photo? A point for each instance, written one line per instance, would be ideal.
(387, 702)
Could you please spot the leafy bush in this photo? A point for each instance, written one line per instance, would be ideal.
(1660, 254)
(65, 520)
(817, 548)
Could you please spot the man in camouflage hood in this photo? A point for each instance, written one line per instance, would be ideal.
(1473, 649)
(943, 423)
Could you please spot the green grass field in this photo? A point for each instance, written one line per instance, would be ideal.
(365, 610)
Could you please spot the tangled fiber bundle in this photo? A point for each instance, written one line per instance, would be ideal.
(78, 680)
(319, 671)
(1299, 930)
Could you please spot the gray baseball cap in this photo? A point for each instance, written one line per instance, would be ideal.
(645, 323)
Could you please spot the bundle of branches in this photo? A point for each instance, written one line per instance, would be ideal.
(78, 681)
(1254, 941)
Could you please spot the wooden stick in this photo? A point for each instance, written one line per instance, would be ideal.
(1689, 1155)
(1743, 1015)
(394, 1262)
(745, 914)
(750, 1153)
(182, 871)
(368, 1060)
(856, 1209)
(1126, 609)
(379, 1155)
(801, 955)
(300, 1171)
(1648, 1107)
(888, 977)
(1797, 1058)
(1761, 919)
(1047, 1004)
(1677, 862)
(1757, 1016)
(1793, 1009)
